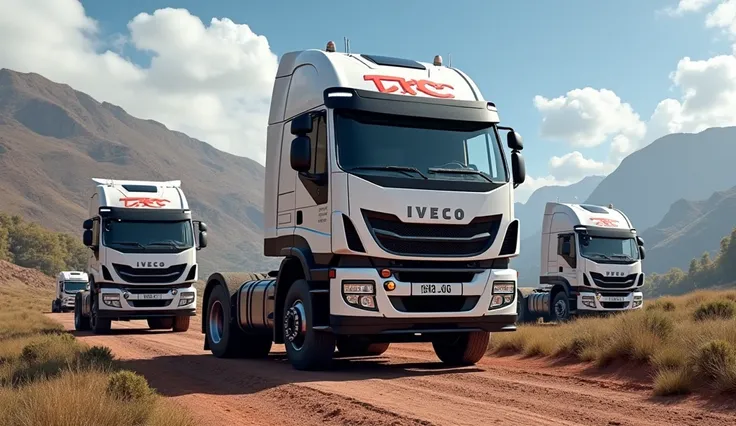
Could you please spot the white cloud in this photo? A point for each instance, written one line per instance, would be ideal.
(724, 17)
(212, 82)
(587, 117)
(574, 166)
(687, 6)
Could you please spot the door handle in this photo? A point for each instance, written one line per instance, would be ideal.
(299, 218)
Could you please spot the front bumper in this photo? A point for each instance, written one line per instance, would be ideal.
(143, 314)
(67, 303)
(127, 302)
(606, 301)
(372, 325)
(402, 308)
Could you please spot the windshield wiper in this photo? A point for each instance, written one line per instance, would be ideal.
(394, 168)
(128, 243)
(622, 256)
(165, 243)
(461, 172)
(599, 255)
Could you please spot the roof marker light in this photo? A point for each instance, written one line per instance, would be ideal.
(437, 61)
(330, 46)
(340, 95)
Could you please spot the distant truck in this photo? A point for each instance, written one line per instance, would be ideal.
(143, 262)
(68, 284)
(591, 264)
(389, 197)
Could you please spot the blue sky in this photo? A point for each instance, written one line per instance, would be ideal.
(513, 50)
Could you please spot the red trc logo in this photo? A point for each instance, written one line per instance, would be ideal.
(153, 203)
(410, 87)
(602, 221)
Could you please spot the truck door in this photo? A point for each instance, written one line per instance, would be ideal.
(567, 257)
(286, 220)
(312, 207)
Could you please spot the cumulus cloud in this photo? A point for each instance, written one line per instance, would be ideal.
(574, 166)
(587, 117)
(212, 81)
(688, 6)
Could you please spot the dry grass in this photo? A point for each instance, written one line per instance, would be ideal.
(688, 341)
(48, 378)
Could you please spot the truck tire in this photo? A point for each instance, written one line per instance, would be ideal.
(54, 306)
(462, 348)
(181, 324)
(97, 324)
(224, 337)
(521, 312)
(306, 348)
(359, 346)
(560, 309)
(160, 323)
(81, 323)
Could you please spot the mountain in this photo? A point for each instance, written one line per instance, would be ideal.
(54, 139)
(689, 229)
(530, 213)
(689, 166)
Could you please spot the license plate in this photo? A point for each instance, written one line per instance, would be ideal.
(613, 299)
(454, 289)
(150, 296)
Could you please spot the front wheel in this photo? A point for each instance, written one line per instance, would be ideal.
(560, 307)
(81, 323)
(306, 348)
(462, 348)
(181, 324)
(97, 324)
(224, 338)
(160, 323)
(54, 308)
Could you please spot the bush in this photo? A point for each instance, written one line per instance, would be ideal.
(672, 382)
(664, 305)
(714, 359)
(97, 357)
(719, 309)
(126, 386)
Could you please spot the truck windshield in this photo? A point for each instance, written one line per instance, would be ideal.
(609, 250)
(159, 236)
(74, 286)
(418, 148)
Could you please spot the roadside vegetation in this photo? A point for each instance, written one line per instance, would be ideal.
(48, 378)
(704, 272)
(30, 245)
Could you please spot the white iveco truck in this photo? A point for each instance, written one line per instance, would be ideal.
(390, 199)
(591, 264)
(68, 284)
(143, 261)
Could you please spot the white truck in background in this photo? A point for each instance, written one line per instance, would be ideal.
(68, 284)
(142, 263)
(390, 199)
(591, 264)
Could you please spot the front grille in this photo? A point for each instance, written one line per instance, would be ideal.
(150, 303)
(432, 239)
(416, 304)
(147, 290)
(435, 276)
(613, 282)
(615, 305)
(149, 275)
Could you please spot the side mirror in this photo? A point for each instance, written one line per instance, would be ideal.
(518, 168)
(514, 141)
(642, 252)
(301, 125)
(301, 154)
(87, 238)
(640, 241)
(88, 224)
(566, 248)
(202, 227)
(202, 239)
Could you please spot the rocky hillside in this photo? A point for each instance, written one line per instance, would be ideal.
(54, 139)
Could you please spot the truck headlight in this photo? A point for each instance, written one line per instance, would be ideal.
(638, 301)
(502, 294)
(360, 294)
(111, 300)
(186, 298)
(588, 301)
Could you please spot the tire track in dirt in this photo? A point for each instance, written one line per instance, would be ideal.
(405, 387)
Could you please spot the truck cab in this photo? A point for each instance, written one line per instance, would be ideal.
(389, 196)
(591, 263)
(142, 262)
(68, 284)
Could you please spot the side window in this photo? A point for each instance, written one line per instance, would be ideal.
(482, 154)
(318, 136)
(567, 243)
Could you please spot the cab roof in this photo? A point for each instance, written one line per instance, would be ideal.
(135, 194)
(73, 276)
(591, 216)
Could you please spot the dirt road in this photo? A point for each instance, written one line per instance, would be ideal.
(407, 386)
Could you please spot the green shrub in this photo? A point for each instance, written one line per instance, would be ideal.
(719, 309)
(127, 385)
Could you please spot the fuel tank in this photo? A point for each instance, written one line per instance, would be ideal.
(256, 304)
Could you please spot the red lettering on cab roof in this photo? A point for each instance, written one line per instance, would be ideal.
(154, 203)
(410, 87)
(603, 221)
